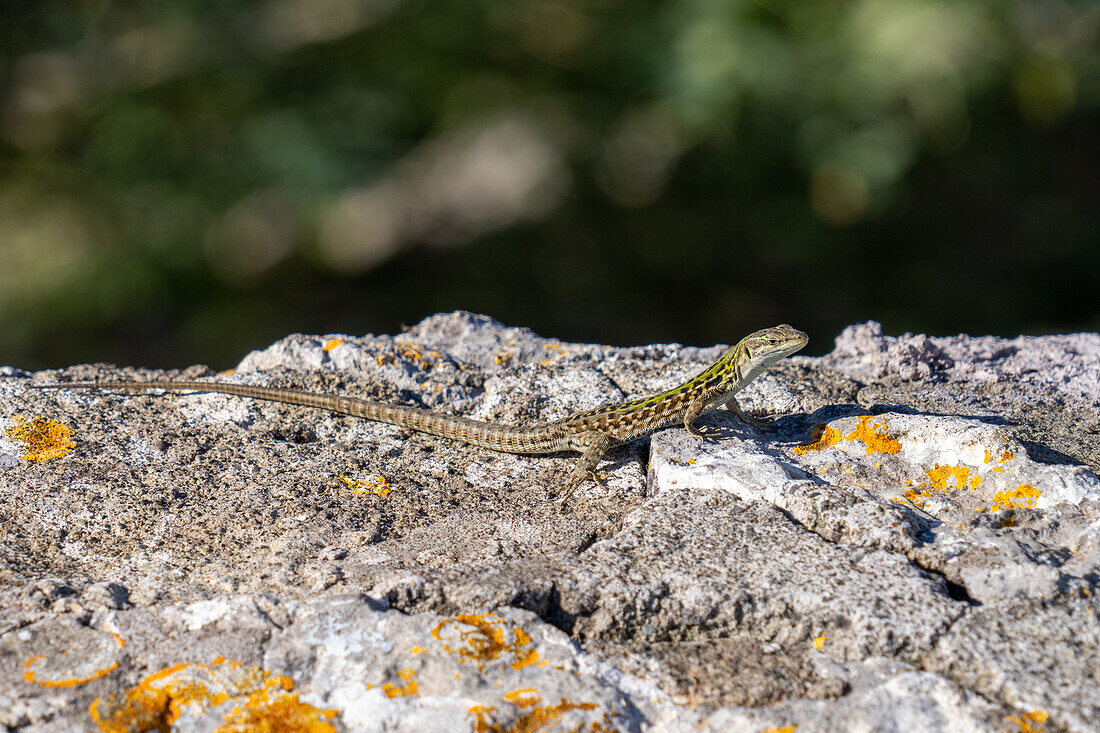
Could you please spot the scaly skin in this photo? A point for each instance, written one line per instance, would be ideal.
(591, 433)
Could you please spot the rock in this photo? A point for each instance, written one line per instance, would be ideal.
(916, 545)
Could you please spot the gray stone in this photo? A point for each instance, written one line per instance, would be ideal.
(915, 546)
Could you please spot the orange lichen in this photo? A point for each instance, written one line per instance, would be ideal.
(822, 437)
(283, 713)
(875, 438)
(819, 643)
(409, 688)
(263, 702)
(784, 729)
(939, 477)
(332, 344)
(541, 718)
(1026, 721)
(43, 439)
(376, 485)
(525, 698)
(484, 641)
(34, 669)
(31, 675)
(914, 497)
(409, 351)
(1023, 496)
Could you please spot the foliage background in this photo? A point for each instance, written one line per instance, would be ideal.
(184, 180)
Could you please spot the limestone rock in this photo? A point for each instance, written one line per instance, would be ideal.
(915, 546)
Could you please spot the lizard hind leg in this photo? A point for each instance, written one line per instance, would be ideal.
(595, 445)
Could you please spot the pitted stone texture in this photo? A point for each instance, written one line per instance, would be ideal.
(344, 662)
(886, 699)
(864, 353)
(342, 659)
(698, 563)
(756, 580)
(1032, 655)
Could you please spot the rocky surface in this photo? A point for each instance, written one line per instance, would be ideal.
(916, 546)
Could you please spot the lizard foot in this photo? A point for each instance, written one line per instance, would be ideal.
(708, 434)
(576, 480)
(764, 426)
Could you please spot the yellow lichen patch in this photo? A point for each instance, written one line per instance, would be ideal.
(988, 457)
(1023, 496)
(409, 351)
(262, 701)
(940, 476)
(559, 348)
(484, 640)
(540, 718)
(332, 344)
(821, 438)
(31, 673)
(939, 479)
(525, 698)
(914, 497)
(819, 643)
(478, 710)
(42, 439)
(875, 438)
(376, 485)
(72, 668)
(784, 729)
(405, 690)
(1030, 722)
(282, 713)
(1006, 456)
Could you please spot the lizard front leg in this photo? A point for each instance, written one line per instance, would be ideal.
(595, 445)
(691, 414)
(733, 406)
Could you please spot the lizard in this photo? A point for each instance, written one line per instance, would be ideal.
(592, 433)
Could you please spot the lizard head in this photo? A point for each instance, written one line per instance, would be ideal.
(765, 347)
(758, 351)
(751, 356)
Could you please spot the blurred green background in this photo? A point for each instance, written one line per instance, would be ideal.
(184, 180)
